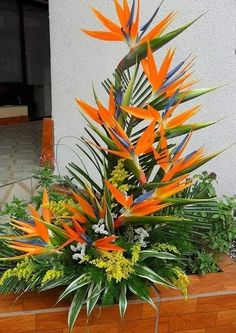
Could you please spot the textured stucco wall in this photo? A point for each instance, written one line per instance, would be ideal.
(78, 60)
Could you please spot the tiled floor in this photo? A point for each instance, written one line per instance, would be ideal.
(19, 150)
(20, 147)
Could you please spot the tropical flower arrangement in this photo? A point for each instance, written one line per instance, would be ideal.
(110, 239)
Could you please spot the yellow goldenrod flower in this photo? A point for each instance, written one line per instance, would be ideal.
(52, 274)
(119, 175)
(24, 270)
(115, 264)
(182, 281)
(162, 247)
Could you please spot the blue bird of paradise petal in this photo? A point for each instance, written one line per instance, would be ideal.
(178, 67)
(122, 140)
(175, 70)
(33, 242)
(169, 82)
(131, 18)
(119, 96)
(177, 149)
(147, 25)
(143, 197)
(117, 112)
(118, 99)
(190, 155)
(126, 35)
(30, 222)
(170, 103)
(87, 239)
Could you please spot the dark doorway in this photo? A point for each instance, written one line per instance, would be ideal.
(25, 57)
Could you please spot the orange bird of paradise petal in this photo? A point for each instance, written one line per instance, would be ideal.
(182, 117)
(73, 235)
(128, 27)
(27, 228)
(76, 214)
(106, 244)
(90, 111)
(39, 225)
(149, 207)
(29, 249)
(155, 76)
(86, 207)
(146, 114)
(46, 213)
(162, 156)
(146, 140)
(119, 196)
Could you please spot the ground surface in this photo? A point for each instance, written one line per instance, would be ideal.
(19, 150)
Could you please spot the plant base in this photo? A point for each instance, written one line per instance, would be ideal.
(210, 308)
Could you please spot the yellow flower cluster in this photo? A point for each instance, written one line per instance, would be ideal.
(116, 266)
(135, 253)
(162, 247)
(182, 281)
(58, 208)
(119, 175)
(23, 271)
(52, 274)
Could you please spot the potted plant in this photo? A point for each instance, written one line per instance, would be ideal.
(111, 240)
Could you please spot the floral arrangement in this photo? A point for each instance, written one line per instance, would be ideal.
(106, 241)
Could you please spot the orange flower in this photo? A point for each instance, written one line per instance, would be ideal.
(145, 205)
(27, 247)
(156, 77)
(106, 243)
(128, 27)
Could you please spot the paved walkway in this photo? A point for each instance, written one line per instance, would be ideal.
(20, 148)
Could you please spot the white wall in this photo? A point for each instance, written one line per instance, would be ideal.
(77, 60)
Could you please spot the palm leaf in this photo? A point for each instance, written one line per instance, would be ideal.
(76, 306)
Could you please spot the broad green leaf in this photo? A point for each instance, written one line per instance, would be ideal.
(196, 165)
(149, 274)
(186, 201)
(94, 293)
(141, 293)
(128, 93)
(183, 97)
(123, 300)
(76, 306)
(154, 219)
(56, 283)
(185, 129)
(156, 254)
(78, 283)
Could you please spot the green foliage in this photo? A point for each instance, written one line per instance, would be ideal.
(203, 263)
(45, 177)
(223, 227)
(212, 231)
(146, 222)
(17, 208)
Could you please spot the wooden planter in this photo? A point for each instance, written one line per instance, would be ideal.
(210, 308)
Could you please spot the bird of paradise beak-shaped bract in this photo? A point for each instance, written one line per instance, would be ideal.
(128, 29)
